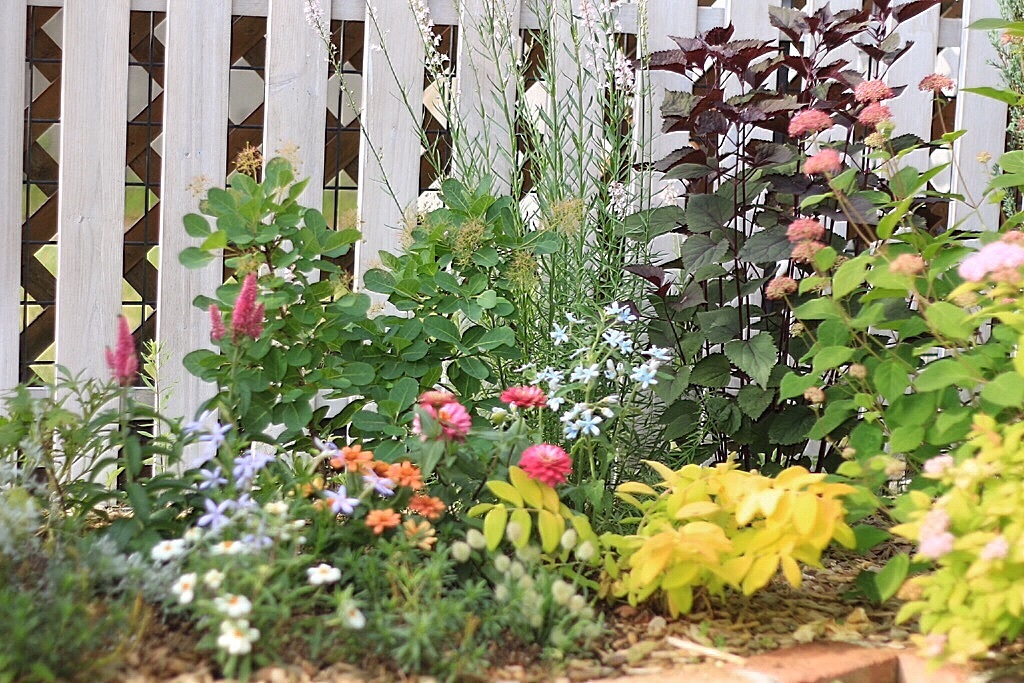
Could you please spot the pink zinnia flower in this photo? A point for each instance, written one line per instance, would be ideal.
(990, 259)
(809, 121)
(805, 229)
(936, 83)
(825, 161)
(546, 463)
(873, 114)
(217, 330)
(247, 318)
(436, 399)
(805, 251)
(996, 549)
(524, 397)
(872, 91)
(453, 418)
(780, 287)
(122, 361)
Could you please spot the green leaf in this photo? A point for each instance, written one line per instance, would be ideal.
(358, 373)
(707, 212)
(949, 320)
(830, 357)
(712, 371)
(906, 438)
(849, 276)
(753, 400)
(194, 257)
(890, 577)
(793, 385)
(945, 372)
(869, 536)
(792, 426)
(1006, 390)
(1011, 162)
(495, 337)
(755, 356)
(1008, 96)
(196, 225)
(371, 422)
(767, 246)
(442, 329)
(404, 393)
(474, 367)
(380, 281)
(817, 309)
(891, 379)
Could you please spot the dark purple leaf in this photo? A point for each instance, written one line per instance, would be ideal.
(912, 9)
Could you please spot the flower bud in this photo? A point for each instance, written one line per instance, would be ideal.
(476, 540)
(569, 539)
(585, 552)
(461, 551)
(502, 563)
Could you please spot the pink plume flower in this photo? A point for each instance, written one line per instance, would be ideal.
(123, 361)
(546, 463)
(805, 229)
(217, 330)
(936, 83)
(247, 318)
(809, 121)
(825, 161)
(524, 397)
(872, 91)
(780, 287)
(874, 114)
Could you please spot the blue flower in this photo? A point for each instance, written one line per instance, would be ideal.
(555, 402)
(559, 335)
(215, 516)
(587, 423)
(327, 448)
(583, 374)
(622, 314)
(340, 501)
(211, 479)
(614, 338)
(381, 485)
(659, 354)
(644, 375)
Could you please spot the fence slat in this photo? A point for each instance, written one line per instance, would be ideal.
(750, 17)
(12, 84)
(194, 151)
(912, 110)
(94, 94)
(296, 94)
(983, 117)
(389, 152)
(488, 41)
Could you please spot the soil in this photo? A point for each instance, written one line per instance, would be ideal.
(640, 642)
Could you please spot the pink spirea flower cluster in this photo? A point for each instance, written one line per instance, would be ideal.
(937, 466)
(996, 549)
(122, 361)
(780, 287)
(809, 121)
(825, 161)
(934, 538)
(524, 397)
(999, 260)
(936, 83)
(247, 318)
(805, 229)
(874, 114)
(446, 410)
(872, 91)
(546, 463)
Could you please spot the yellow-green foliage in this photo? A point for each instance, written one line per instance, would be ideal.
(529, 508)
(975, 596)
(719, 527)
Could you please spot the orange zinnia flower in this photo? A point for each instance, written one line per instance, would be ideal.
(351, 458)
(423, 533)
(427, 506)
(406, 474)
(379, 520)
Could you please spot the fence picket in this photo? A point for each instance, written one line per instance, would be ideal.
(195, 147)
(296, 94)
(94, 99)
(12, 84)
(488, 42)
(984, 119)
(912, 110)
(389, 152)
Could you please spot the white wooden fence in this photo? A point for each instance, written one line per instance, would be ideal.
(93, 141)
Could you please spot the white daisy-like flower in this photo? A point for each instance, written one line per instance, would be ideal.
(323, 573)
(353, 617)
(236, 637)
(167, 550)
(229, 548)
(234, 606)
(278, 508)
(213, 579)
(185, 588)
(193, 535)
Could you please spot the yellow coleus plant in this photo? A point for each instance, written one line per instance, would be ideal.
(528, 509)
(719, 527)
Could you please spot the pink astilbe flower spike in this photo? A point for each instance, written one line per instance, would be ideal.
(123, 361)
(247, 318)
(217, 329)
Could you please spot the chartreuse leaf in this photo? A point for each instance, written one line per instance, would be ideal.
(550, 498)
(791, 570)
(506, 492)
(480, 509)
(528, 488)
(551, 528)
(1006, 390)
(494, 526)
(761, 572)
(521, 517)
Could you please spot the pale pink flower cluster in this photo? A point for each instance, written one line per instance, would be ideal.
(123, 361)
(907, 264)
(1000, 260)
(805, 229)
(934, 644)
(934, 538)
(805, 251)
(624, 77)
(937, 466)
(780, 287)
(872, 91)
(825, 161)
(314, 14)
(936, 83)
(996, 549)
(874, 114)
(809, 121)
(618, 200)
